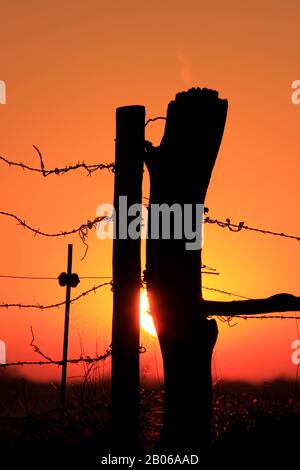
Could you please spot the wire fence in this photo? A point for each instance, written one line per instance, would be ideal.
(83, 230)
(111, 284)
(89, 168)
(58, 304)
(81, 359)
(94, 289)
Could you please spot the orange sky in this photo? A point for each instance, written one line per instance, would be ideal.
(67, 65)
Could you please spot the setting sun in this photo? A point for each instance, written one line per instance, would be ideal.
(145, 317)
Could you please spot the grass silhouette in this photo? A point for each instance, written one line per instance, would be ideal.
(259, 421)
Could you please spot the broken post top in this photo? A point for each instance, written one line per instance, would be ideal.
(188, 150)
(130, 121)
(196, 118)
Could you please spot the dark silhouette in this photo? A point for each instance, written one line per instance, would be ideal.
(180, 170)
(130, 137)
(193, 133)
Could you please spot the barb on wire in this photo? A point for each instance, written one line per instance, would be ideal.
(82, 230)
(227, 320)
(36, 348)
(58, 171)
(59, 304)
(241, 226)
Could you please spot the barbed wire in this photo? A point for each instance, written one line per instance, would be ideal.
(95, 288)
(231, 318)
(82, 230)
(78, 360)
(220, 291)
(81, 359)
(241, 226)
(58, 171)
(89, 168)
(265, 317)
(56, 305)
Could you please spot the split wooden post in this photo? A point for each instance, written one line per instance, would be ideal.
(180, 170)
(130, 129)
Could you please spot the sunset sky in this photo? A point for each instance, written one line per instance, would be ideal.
(67, 66)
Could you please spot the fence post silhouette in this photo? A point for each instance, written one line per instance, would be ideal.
(69, 280)
(130, 130)
(180, 170)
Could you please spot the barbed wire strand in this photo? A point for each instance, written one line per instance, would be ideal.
(56, 305)
(265, 317)
(80, 359)
(95, 288)
(82, 230)
(220, 291)
(241, 226)
(58, 171)
(89, 168)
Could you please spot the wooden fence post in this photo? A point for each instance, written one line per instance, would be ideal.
(130, 129)
(180, 170)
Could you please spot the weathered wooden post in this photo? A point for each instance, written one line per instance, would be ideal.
(130, 130)
(180, 170)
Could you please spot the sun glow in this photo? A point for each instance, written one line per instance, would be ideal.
(145, 317)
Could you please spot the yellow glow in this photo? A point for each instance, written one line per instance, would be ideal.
(145, 317)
